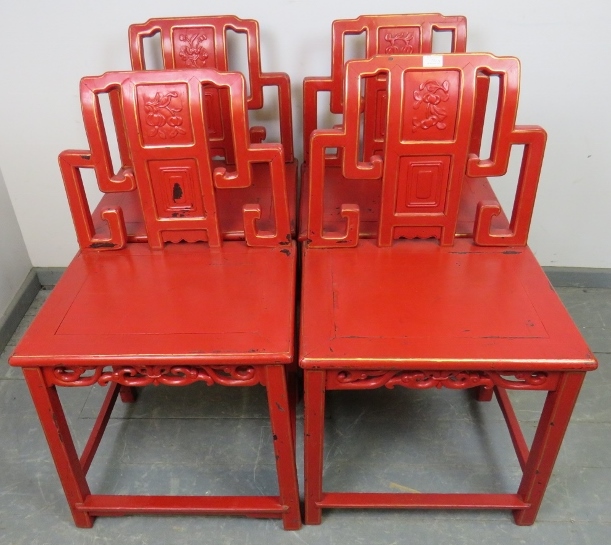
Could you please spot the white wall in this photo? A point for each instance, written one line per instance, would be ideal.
(564, 47)
(14, 260)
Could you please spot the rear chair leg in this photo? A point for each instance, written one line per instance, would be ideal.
(128, 394)
(484, 394)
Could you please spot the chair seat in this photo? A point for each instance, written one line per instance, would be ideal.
(186, 304)
(229, 201)
(417, 305)
(366, 193)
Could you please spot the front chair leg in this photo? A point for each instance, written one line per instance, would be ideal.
(284, 444)
(61, 444)
(546, 444)
(314, 428)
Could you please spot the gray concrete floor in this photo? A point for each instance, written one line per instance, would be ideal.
(217, 440)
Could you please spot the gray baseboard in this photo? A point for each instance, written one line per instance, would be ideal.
(560, 277)
(49, 276)
(578, 277)
(18, 307)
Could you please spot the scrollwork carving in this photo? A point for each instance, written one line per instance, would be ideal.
(431, 94)
(144, 375)
(526, 380)
(399, 42)
(349, 379)
(161, 114)
(193, 52)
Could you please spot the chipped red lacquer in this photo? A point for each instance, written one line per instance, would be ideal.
(201, 42)
(130, 314)
(417, 307)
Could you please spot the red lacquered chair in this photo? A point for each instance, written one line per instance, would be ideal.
(418, 307)
(198, 42)
(131, 314)
(389, 35)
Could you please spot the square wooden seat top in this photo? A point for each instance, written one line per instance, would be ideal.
(418, 305)
(188, 304)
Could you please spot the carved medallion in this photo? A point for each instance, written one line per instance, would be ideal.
(431, 94)
(162, 115)
(193, 52)
(399, 42)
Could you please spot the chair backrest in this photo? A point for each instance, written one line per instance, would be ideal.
(201, 42)
(432, 102)
(383, 34)
(166, 130)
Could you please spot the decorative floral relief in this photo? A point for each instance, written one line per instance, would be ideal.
(431, 94)
(143, 375)
(193, 52)
(456, 380)
(399, 42)
(161, 114)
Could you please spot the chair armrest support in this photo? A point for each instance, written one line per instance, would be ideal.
(70, 163)
(273, 154)
(533, 138)
(319, 142)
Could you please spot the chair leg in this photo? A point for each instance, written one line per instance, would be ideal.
(314, 428)
(284, 449)
(546, 444)
(484, 394)
(292, 384)
(128, 394)
(57, 432)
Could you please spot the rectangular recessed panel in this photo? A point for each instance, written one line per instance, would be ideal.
(430, 105)
(422, 183)
(193, 47)
(213, 112)
(380, 117)
(163, 115)
(399, 40)
(150, 295)
(441, 295)
(176, 189)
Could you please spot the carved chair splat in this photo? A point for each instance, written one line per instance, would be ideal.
(441, 311)
(197, 42)
(430, 160)
(200, 42)
(384, 34)
(128, 314)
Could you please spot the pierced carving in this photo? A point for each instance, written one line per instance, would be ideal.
(527, 380)
(349, 379)
(431, 94)
(399, 42)
(144, 375)
(193, 52)
(161, 114)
